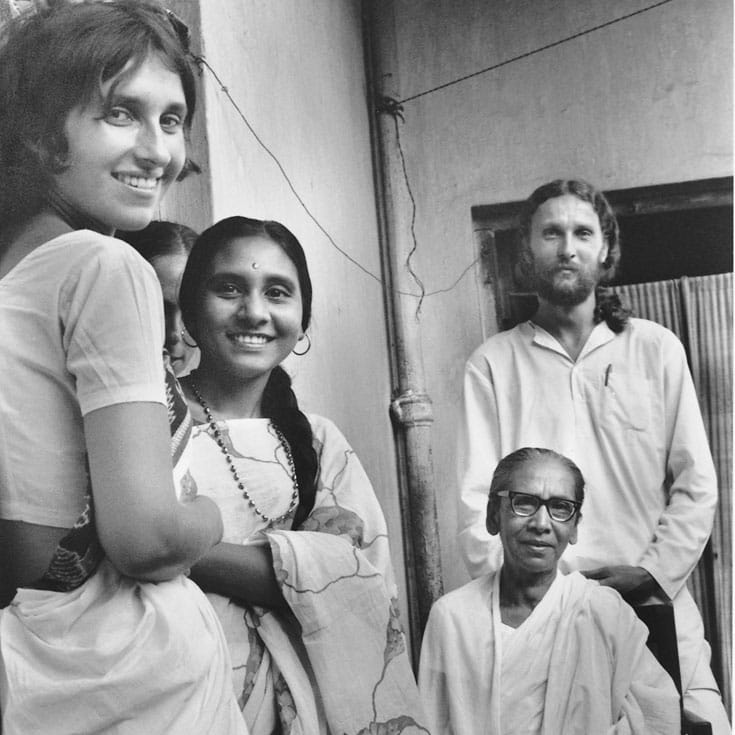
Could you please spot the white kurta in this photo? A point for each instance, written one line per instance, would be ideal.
(578, 664)
(626, 412)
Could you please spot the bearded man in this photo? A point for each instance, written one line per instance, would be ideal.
(615, 395)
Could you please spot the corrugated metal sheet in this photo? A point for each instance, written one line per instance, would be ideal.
(700, 312)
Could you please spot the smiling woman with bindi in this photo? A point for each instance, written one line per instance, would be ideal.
(276, 473)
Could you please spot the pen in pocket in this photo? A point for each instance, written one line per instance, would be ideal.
(608, 370)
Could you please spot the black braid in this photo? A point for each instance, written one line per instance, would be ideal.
(609, 308)
(280, 406)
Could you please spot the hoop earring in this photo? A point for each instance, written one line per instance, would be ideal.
(182, 333)
(308, 347)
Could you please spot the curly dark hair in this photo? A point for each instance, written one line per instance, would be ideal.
(54, 60)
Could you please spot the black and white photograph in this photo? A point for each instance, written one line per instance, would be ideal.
(367, 367)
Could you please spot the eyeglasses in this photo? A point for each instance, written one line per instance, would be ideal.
(524, 505)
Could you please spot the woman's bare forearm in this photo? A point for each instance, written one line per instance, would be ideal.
(199, 529)
(145, 531)
(241, 572)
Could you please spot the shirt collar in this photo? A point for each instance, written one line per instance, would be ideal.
(600, 335)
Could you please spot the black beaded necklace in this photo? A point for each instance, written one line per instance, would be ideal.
(217, 434)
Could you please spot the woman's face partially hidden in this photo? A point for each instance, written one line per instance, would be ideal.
(125, 151)
(250, 310)
(169, 269)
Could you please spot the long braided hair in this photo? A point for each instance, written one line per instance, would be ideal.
(279, 402)
(608, 306)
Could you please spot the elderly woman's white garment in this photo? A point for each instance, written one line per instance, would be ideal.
(335, 661)
(577, 664)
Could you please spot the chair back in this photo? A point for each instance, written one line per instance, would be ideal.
(659, 619)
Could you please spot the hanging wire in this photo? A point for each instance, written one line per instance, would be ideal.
(415, 246)
(456, 282)
(201, 60)
(423, 293)
(398, 105)
(534, 51)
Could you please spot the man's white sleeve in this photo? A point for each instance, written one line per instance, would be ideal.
(686, 523)
(478, 453)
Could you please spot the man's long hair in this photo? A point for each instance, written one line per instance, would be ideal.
(608, 307)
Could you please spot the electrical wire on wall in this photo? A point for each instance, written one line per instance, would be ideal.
(203, 62)
(533, 52)
(387, 105)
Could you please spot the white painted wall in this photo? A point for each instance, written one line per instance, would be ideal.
(645, 101)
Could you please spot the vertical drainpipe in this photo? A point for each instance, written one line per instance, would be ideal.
(411, 408)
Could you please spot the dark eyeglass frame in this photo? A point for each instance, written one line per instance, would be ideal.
(538, 502)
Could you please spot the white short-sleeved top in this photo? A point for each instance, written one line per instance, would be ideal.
(81, 320)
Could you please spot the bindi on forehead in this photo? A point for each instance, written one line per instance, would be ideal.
(255, 260)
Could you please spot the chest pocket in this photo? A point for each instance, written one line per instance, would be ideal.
(625, 399)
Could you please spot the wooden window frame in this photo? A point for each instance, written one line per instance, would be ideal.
(496, 235)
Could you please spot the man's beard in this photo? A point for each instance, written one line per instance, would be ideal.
(568, 292)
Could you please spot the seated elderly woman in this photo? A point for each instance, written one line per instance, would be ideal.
(529, 650)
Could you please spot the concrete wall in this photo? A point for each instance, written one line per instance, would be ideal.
(296, 71)
(644, 101)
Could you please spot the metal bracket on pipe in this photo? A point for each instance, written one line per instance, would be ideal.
(390, 106)
(412, 409)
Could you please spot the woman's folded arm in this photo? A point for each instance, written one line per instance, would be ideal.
(143, 528)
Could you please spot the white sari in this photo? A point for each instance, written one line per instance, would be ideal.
(336, 660)
(87, 650)
(577, 665)
(115, 656)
